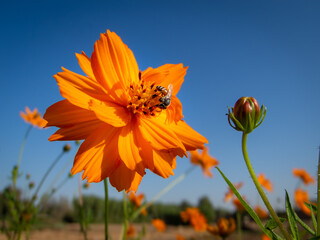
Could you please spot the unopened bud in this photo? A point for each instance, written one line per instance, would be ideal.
(246, 114)
(31, 185)
(67, 148)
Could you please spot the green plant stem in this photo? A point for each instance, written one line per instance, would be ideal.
(161, 193)
(106, 209)
(318, 199)
(47, 173)
(125, 217)
(259, 188)
(20, 154)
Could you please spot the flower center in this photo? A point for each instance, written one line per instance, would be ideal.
(148, 99)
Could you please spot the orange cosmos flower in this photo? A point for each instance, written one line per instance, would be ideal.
(34, 118)
(129, 120)
(238, 205)
(130, 231)
(265, 237)
(229, 194)
(261, 212)
(301, 197)
(303, 175)
(195, 217)
(223, 228)
(159, 224)
(204, 160)
(180, 237)
(136, 200)
(266, 183)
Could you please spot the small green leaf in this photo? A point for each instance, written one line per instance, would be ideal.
(291, 218)
(310, 205)
(271, 223)
(312, 216)
(246, 206)
(305, 226)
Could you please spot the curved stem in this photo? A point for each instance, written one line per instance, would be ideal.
(20, 155)
(47, 173)
(125, 217)
(106, 209)
(259, 188)
(318, 199)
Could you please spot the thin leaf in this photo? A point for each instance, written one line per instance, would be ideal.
(246, 206)
(310, 205)
(313, 217)
(291, 218)
(305, 226)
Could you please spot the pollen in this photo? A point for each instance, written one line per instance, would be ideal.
(145, 99)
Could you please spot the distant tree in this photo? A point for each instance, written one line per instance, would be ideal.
(206, 207)
(184, 204)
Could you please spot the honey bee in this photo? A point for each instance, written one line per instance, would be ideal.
(167, 94)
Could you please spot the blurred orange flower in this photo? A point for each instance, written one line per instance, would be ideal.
(195, 217)
(136, 200)
(130, 231)
(159, 224)
(266, 183)
(229, 194)
(261, 212)
(303, 175)
(301, 197)
(223, 228)
(34, 118)
(180, 237)
(238, 205)
(265, 237)
(204, 160)
(129, 120)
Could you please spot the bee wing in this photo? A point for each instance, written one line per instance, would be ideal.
(170, 89)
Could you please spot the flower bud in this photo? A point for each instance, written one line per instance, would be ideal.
(246, 114)
(67, 148)
(31, 185)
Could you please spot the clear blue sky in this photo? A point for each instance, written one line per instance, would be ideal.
(266, 49)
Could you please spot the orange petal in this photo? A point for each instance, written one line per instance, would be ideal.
(76, 132)
(63, 113)
(167, 74)
(98, 155)
(125, 179)
(160, 136)
(85, 64)
(174, 111)
(164, 164)
(111, 113)
(84, 93)
(114, 65)
(129, 150)
(189, 137)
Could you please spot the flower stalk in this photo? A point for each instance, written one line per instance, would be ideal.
(259, 188)
(106, 209)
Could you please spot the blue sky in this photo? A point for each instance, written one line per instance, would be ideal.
(266, 49)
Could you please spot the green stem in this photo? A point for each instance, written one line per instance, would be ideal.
(125, 217)
(318, 199)
(259, 188)
(160, 194)
(47, 173)
(106, 209)
(20, 155)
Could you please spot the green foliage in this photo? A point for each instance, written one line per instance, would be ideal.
(206, 207)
